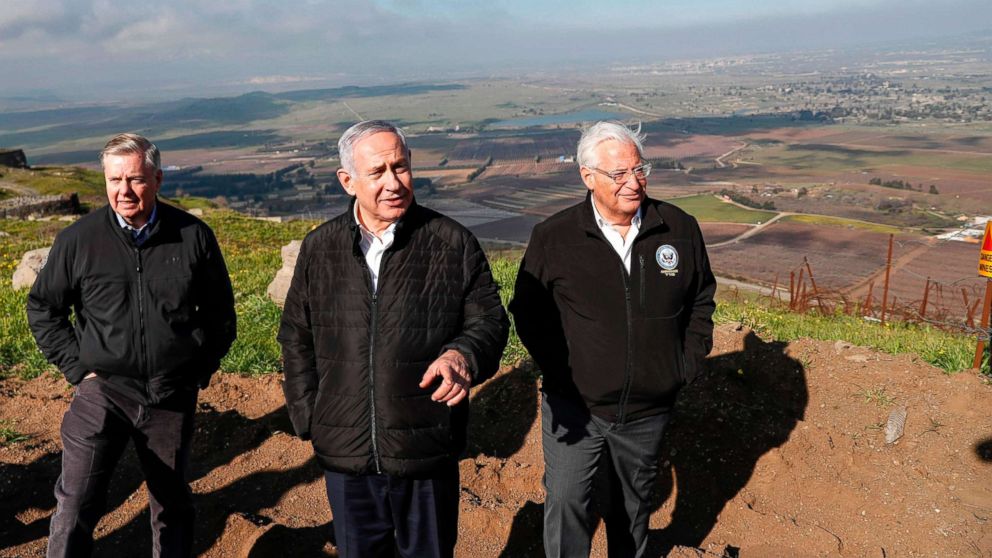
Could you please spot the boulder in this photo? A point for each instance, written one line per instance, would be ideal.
(280, 285)
(31, 264)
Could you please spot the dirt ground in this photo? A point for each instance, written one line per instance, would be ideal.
(779, 450)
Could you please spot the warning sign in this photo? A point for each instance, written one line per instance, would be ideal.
(985, 259)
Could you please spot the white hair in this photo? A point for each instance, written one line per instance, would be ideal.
(351, 136)
(603, 131)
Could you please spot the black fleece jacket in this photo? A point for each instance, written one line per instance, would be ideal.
(151, 320)
(353, 358)
(621, 343)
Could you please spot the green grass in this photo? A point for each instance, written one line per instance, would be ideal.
(89, 184)
(841, 222)
(18, 352)
(505, 273)
(193, 202)
(878, 396)
(708, 208)
(948, 351)
(252, 252)
(9, 435)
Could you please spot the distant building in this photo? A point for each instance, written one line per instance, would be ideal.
(13, 158)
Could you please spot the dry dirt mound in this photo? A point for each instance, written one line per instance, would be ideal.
(778, 451)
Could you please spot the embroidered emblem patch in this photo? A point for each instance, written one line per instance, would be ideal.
(668, 259)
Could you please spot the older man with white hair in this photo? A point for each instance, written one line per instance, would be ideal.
(613, 300)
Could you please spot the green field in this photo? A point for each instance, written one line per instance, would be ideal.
(707, 208)
(841, 222)
(88, 184)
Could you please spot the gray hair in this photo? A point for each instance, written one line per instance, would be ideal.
(351, 136)
(128, 144)
(603, 131)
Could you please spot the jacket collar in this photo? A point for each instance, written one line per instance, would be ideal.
(154, 226)
(650, 216)
(414, 215)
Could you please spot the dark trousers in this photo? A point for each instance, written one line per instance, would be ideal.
(95, 431)
(576, 443)
(382, 516)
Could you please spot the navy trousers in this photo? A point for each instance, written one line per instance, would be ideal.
(576, 443)
(95, 430)
(382, 516)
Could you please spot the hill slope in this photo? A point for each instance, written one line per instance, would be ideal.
(778, 451)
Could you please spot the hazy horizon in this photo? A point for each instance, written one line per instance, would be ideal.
(107, 50)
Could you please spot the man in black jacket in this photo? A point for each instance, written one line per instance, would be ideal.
(614, 301)
(154, 315)
(391, 316)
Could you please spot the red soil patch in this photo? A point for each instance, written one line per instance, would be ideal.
(776, 451)
(714, 233)
(838, 256)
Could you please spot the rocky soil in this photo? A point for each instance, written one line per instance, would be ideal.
(779, 450)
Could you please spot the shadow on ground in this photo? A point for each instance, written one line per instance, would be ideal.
(745, 404)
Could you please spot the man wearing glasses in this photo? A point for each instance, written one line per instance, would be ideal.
(613, 300)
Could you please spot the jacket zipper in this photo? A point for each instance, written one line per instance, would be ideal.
(626, 373)
(141, 321)
(372, 328)
(640, 259)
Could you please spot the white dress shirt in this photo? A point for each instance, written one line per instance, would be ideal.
(622, 245)
(373, 246)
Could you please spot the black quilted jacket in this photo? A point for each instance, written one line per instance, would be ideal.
(353, 359)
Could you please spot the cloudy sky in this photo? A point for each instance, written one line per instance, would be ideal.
(113, 49)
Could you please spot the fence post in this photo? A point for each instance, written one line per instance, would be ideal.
(888, 267)
(985, 324)
(866, 309)
(923, 307)
(816, 293)
(792, 290)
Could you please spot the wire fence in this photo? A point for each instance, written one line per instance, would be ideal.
(925, 281)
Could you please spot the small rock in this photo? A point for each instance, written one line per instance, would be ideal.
(894, 427)
(857, 358)
(196, 211)
(27, 271)
(842, 346)
(280, 284)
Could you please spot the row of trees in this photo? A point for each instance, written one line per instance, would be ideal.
(901, 185)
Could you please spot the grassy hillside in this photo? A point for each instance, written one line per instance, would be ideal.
(252, 251)
(89, 184)
(707, 208)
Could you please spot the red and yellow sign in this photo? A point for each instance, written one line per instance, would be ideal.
(985, 259)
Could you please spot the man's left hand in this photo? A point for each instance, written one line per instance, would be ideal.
(452, 368)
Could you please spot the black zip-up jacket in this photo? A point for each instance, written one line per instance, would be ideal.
(353, 358)
(621, 343)
(151, 320)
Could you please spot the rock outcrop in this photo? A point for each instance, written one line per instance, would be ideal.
(280, 285)
(23, 207)
(31, 264)
(13, 158)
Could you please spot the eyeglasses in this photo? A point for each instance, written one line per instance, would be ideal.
(621, 177)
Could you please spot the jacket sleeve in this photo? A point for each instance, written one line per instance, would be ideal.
(484, 324)
(699, 298)
(216, 305)
(296, 337)
(50, 302)
(535, 314)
